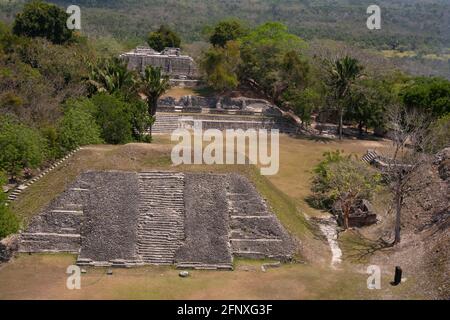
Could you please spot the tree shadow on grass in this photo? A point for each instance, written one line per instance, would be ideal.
(359, 249)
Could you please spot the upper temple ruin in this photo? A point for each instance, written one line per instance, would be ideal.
(170, 60)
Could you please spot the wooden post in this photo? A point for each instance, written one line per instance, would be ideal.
(398, 276)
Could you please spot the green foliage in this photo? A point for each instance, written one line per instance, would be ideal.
(41, 19)
(114, 119)
(141, 120)
(343, 178)
(341, 20)
(112, 76)
(21, 147)
(295, 70)
(366, 104)
(220, 66)
(439, 134)
(431, 95)
(271, 57)
(304, 103)
(50, 134)
(9, 223)
(36, 76)
(163, 38)
(226, 30)
(154, 84)
(341, 75)
(77, 128)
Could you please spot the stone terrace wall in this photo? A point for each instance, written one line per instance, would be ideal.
(167, 122)
(255, 230)
(58, 227)
(111, 215)
(206, 226)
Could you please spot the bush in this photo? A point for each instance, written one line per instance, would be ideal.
(431, 95)
(141, 121)
(8, 221)
(340, 177)
(50, 135)
(440, 134)
(77, 128)
(21, 147)
(114, 118)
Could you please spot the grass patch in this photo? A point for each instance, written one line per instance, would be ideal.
(44, 277)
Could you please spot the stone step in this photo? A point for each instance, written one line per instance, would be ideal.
(161, 216)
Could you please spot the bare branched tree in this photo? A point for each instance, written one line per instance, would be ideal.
(408, 130)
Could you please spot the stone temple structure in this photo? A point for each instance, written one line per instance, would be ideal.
(170, 60)
(191, 220)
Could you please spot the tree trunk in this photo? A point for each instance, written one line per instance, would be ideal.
(341, 123)
(152, 105)
(361, 128)
(398, 214)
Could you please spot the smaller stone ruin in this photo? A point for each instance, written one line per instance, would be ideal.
(361, 214)
(243, 104)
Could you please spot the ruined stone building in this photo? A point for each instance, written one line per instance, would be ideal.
(170, 60)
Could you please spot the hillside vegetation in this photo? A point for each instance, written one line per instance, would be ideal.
(406, 24)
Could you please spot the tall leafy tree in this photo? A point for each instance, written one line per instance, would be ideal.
(271, 58)
(162, 38)
(112, 76)
(225, 31)
(154, 85)
(221, 66)
(341, 75)
(41, 19)
(303, 103)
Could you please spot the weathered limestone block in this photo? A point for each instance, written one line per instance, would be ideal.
(361, 214)
(8, 247)
(50, 242)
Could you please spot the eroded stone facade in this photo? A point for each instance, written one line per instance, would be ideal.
(191, 220)
(171, 62)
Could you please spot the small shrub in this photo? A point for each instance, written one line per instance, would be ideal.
(77, 128)
(114, 119)
(9, 223)
(21, 147)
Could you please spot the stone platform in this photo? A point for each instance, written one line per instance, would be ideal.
(191, 220)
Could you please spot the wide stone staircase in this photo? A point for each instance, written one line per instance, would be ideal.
(165, 123)
(160, 230)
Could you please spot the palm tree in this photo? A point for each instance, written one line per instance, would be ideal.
(112, 76)
(342, 73)
(154, 85)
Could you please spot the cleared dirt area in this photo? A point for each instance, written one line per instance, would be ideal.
(309, 277)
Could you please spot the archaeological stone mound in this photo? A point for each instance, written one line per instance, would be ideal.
(191, 220)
